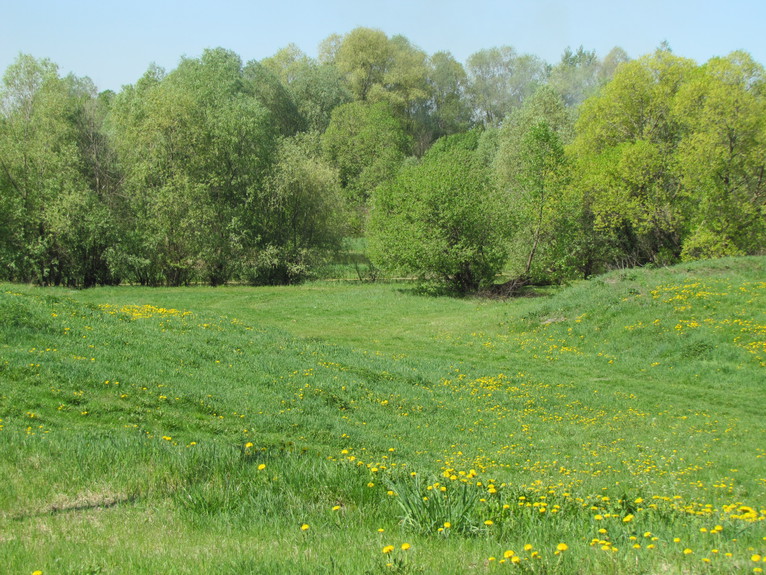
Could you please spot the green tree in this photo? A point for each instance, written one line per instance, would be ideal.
(441, 219)
(500, 80)
(301, 215)
(532, 171)
(449, 106)
(55, 228)
(316, 88)
(196, 144)
(577, 76)
(363, 57)
(366, 143)
(627, 138)
(722, 157)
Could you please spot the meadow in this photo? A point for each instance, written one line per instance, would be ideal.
(615, 425)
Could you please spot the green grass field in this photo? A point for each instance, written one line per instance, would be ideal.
(612, 426)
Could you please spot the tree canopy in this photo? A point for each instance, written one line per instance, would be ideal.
(222, 170)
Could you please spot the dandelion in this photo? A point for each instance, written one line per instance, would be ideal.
(688, 551)
(628, 518)
(489, 523)
(562, 547)
(508, 554)
(387, 549)
(336, 507)
(755, 558)
(261, 467)
(248, 445)
(38, 572)
(405, 546)
(305, 527)
(528, 547)
(447, 524)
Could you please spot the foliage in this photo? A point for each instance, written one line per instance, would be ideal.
(722, 157)
(500, 80)
(627, 138)
(441, 218)
(366, 143)
(182, 178)
(548, 237)
(300, 215)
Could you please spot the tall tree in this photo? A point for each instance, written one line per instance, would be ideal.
(450, 108)
(722, 156)
(576, 76)
(366, 143)
(316, 88)
(500, 80)
(627, 136)
(196, 144)
(55, 227)
(532, 172)
(301, 217)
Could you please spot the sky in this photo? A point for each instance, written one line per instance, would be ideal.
(115, 42)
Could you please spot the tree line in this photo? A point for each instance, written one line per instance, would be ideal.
(221, 170)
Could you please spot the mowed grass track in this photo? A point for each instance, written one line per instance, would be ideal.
(612, 426)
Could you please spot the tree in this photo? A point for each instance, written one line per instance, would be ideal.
(576, 76)
(316, 88)
(196, 145)
(500, 80)
(532, 171)
(441, 219)
(301, 215)
(722, 157)
(363, 57)
(627, 137)
(366, 143)
(55, 228)
(450, 108)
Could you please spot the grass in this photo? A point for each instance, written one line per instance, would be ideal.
(311, 428)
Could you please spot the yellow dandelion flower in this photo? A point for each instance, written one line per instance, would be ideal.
(562, 547)
(628, 518)
(405, 546)
(336, 507)
(248, 445)
(528, 547)
(387, 549)
(261, 467)
(447, 524)
(508, 554)
(305, 527)
(515, 559)
(755, 558)
(688, 551)
(489, 522)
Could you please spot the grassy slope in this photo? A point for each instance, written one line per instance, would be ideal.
(137, 431)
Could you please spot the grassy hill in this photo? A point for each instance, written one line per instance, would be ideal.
(612, 426)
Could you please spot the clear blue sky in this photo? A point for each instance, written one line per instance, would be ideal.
(114, 42)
